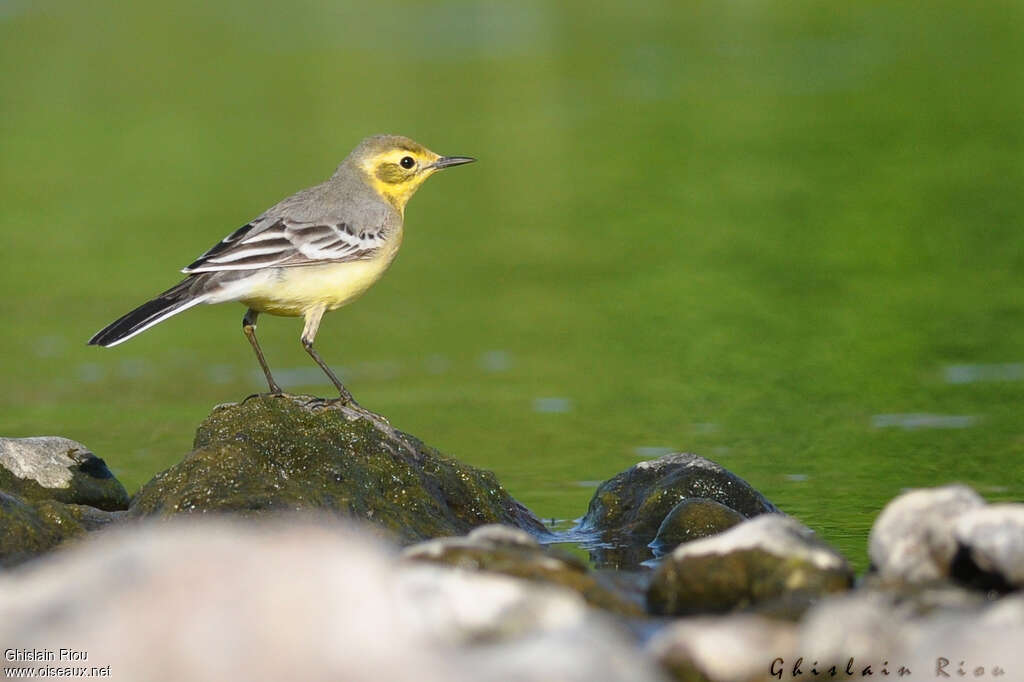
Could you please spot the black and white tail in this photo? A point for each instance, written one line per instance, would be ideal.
(173, 301)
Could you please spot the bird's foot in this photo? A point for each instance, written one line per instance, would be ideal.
(379, 422)
(272, 394)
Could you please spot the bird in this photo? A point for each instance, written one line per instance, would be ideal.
(311, 253)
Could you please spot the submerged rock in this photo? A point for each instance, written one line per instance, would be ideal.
(211, 600)
(627, 510)
(271, 453)
(912, 539)
(770, 560)
(692, 519)
(55, 468)
(504, 550)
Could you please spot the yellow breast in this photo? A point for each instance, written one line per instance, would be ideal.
(293, 291)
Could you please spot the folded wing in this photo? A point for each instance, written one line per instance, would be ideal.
(280, 242)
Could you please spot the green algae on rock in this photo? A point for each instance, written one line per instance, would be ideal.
(627, 510)
(271, 453)
(692, 519)
(29, 528)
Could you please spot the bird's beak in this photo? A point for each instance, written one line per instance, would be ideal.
(446, 161)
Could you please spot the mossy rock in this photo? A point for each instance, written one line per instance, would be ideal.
(29, 528)
(627, 510)
(692, 519)
(276, 453)
(499, 549)
(770, 561)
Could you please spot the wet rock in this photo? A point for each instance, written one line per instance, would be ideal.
(627, 510)
(505, 550)
(724, 648)
(274, 453)
(990, 547)
(281, 599)
(771, 558)
(55, 468)
(692, 519)
(912, 539)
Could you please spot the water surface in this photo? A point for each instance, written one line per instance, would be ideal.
(788, 238)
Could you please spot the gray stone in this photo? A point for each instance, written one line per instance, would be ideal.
(869, 626)
(692, 519)
(507, 551)
(772, 558)
(277, 453)
(52, 489)
(886, 631)
(55, 468)
(626, 511)
(990, 543)
(912, 539)
(736, 648)
(216, 600)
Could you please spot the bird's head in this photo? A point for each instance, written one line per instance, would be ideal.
(395, 166)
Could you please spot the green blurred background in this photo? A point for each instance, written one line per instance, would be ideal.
(786, 236)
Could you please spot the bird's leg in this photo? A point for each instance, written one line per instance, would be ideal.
(249, 327)
(313, 318)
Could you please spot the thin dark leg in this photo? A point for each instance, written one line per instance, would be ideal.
(313, 318)
(249, 327)
(346, 397)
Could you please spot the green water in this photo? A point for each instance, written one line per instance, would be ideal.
(747, 230)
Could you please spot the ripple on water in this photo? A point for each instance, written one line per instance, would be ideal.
(495, 361)
(913, 421)
(971, 374)
(552, 405)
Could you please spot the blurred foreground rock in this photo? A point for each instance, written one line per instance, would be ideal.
(990, 548)
(276, 453)
(627, 511)
(735, 648)
(208, 600)
(949, 533)
(52, 489)
(772, 558)
(504, 550)
(886, 631)
(912, 538)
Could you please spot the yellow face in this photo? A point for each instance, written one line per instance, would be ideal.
(397, 173)
(397, 166)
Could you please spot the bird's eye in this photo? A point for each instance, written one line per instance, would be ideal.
(407, 162)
